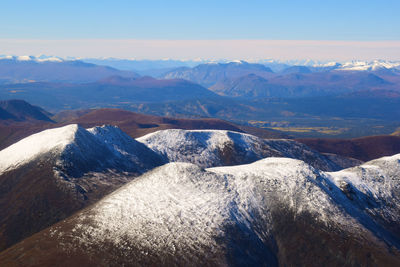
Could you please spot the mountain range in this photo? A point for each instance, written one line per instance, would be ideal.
(29, 69)
(49, 175)
(216, 196)
(209, 74)
(251, 80)
(275, 65)
(325, 100)
(210, 175)
(137, 125)
(275, 211)
(108, 92)
(134, 124)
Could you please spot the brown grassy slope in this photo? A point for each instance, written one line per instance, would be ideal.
(364, 148)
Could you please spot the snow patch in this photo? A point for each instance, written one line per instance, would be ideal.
(52, 140)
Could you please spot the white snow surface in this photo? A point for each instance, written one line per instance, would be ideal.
(181, 207)
(368, 66)
(374, 185)
(200, 147)
(211, 148)
(52, 140)
(81, 150)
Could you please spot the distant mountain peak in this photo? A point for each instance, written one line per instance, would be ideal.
(368, 65)
(41, 58)
(20, 110)
(53, 69)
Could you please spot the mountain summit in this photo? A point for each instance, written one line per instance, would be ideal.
(62, 170)
(276, 211)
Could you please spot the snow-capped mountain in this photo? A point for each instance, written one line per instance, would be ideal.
(354, 65)
(41, 58)
(52, 174)
(79, 166)
(210, 148)
(276, 211)
(28, 69)
(375, 188)
(369, 65)
(76, 151)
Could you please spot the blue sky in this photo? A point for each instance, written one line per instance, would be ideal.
(367, 20)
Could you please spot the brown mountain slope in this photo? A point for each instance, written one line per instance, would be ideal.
(364, 148)
(134, 124)
(137, 125)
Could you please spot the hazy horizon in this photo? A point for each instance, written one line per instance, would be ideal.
(250, 50)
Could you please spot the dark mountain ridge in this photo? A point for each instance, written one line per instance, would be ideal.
(302, 84)
(19, 110)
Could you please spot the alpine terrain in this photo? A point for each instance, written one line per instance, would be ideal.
(50, 175)
(276, 211)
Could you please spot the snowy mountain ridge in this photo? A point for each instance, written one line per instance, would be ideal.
(180, 214)
(77, 150)
(368, 65)
(374, 185)
(211, 148)
(52, 140)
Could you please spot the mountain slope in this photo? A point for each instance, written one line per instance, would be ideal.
(49, 175)
(209, 74)
(134, 124)
(363, 148)
(14, 70)
(111, 92)
(296, 69)
(19, 110)
(249, 85)
(374, 187)
(272, 212)
(300, 83)
(209, 148)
